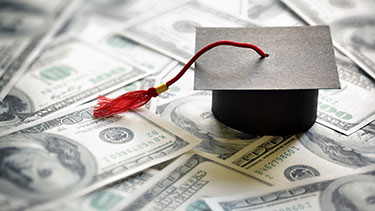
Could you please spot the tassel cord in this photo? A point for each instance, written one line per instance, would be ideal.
(210, 46)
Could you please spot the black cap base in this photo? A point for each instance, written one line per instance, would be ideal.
(266, 112)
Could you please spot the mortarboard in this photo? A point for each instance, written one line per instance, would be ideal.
(274, 95)
(258, 95)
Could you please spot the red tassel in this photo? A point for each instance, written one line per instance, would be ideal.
(107, 107)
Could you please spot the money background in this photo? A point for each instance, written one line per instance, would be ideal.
(47, 73)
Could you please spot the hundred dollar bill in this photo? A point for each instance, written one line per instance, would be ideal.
(67, 74)
(351, 107)
(319, 152)
(65, 157)
(354, 192)
(109, 196)
(129, 50)
(269, 13)
(98, 18)
(25, 27)
(352, 24)
(172, 32)
(183, 184)
(193, 114)
(233, 7)
(161, 166)
(126, 10)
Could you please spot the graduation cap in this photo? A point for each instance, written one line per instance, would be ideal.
(270, 94)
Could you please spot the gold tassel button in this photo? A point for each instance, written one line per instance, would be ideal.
(161, 88)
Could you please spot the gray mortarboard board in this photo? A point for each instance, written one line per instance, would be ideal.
(273, 95)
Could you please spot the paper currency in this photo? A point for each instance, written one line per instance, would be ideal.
(269, 13)
(319, 152)
(74, 154)
(352, 24)
(131, 51)
(108, 197)
(356, 150)
(232, 7)
(355, 192)
(183, 184)
(67, 74)
(129, 9)
(350, 108)
(172, 32)
(98, 18)
(59, 157)
(25, 27)
(193, 114)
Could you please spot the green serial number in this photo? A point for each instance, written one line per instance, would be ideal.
(274, 162)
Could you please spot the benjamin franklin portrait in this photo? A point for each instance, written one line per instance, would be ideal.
(23, 18)
(193, 114)
(354, 193)
(14, 108)
(358, 33)
(356, 150)
(42, 166)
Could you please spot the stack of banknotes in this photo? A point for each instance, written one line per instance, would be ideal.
(57, 56)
